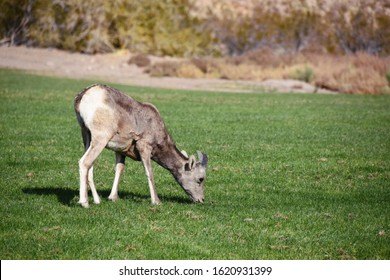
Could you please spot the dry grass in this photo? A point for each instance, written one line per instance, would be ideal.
(189, 70)
(163, 69)
(360, 73)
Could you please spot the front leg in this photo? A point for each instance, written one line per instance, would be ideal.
(145, 153)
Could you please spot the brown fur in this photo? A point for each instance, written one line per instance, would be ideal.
(133, 129)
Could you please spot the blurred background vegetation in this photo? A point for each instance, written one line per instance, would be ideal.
(338, 45)
(150, 26)
(193, 28)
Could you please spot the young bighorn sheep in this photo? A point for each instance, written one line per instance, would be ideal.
(110, 119)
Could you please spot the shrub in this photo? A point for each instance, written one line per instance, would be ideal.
(82, 26)
(261, 56)
(230, 71)
(337, 26)
(388, 78)
(375, 62)
(159, 27)
(305, 74)
(206, 65)
(141, 60)
(363, 28)
(176, 28)
(150, 26)
(164, 69)
(189, 70)
(14, 21)
(351, 74)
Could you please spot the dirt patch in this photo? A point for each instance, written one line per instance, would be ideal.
(114, 67)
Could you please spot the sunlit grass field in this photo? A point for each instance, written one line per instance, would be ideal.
(291, 176)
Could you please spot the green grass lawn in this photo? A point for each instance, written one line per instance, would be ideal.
(291, 176)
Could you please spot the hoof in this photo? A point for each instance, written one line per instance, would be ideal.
(84, 204)
(113, 198)
(156, 202)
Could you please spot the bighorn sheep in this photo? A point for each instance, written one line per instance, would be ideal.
(110, 119)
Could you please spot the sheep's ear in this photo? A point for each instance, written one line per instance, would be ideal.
(205, 160)
(184, 153)
(200, 156)
(192, 162)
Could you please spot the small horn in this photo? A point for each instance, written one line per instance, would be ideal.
(184, 153)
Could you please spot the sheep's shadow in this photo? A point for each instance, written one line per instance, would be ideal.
(69, 197)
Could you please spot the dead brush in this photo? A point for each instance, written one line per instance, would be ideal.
(163, 69)
(360, 73)
(206, 65)
(189, 70)
(378, 64)
(141, 60)
(259, 57)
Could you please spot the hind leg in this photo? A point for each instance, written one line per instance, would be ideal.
(94, 147)
(85, 167)
(96, 198)
(86, 134)
(119, 167)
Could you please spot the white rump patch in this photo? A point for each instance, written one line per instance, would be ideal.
(92, 100)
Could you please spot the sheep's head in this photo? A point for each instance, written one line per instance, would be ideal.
(193, 176)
